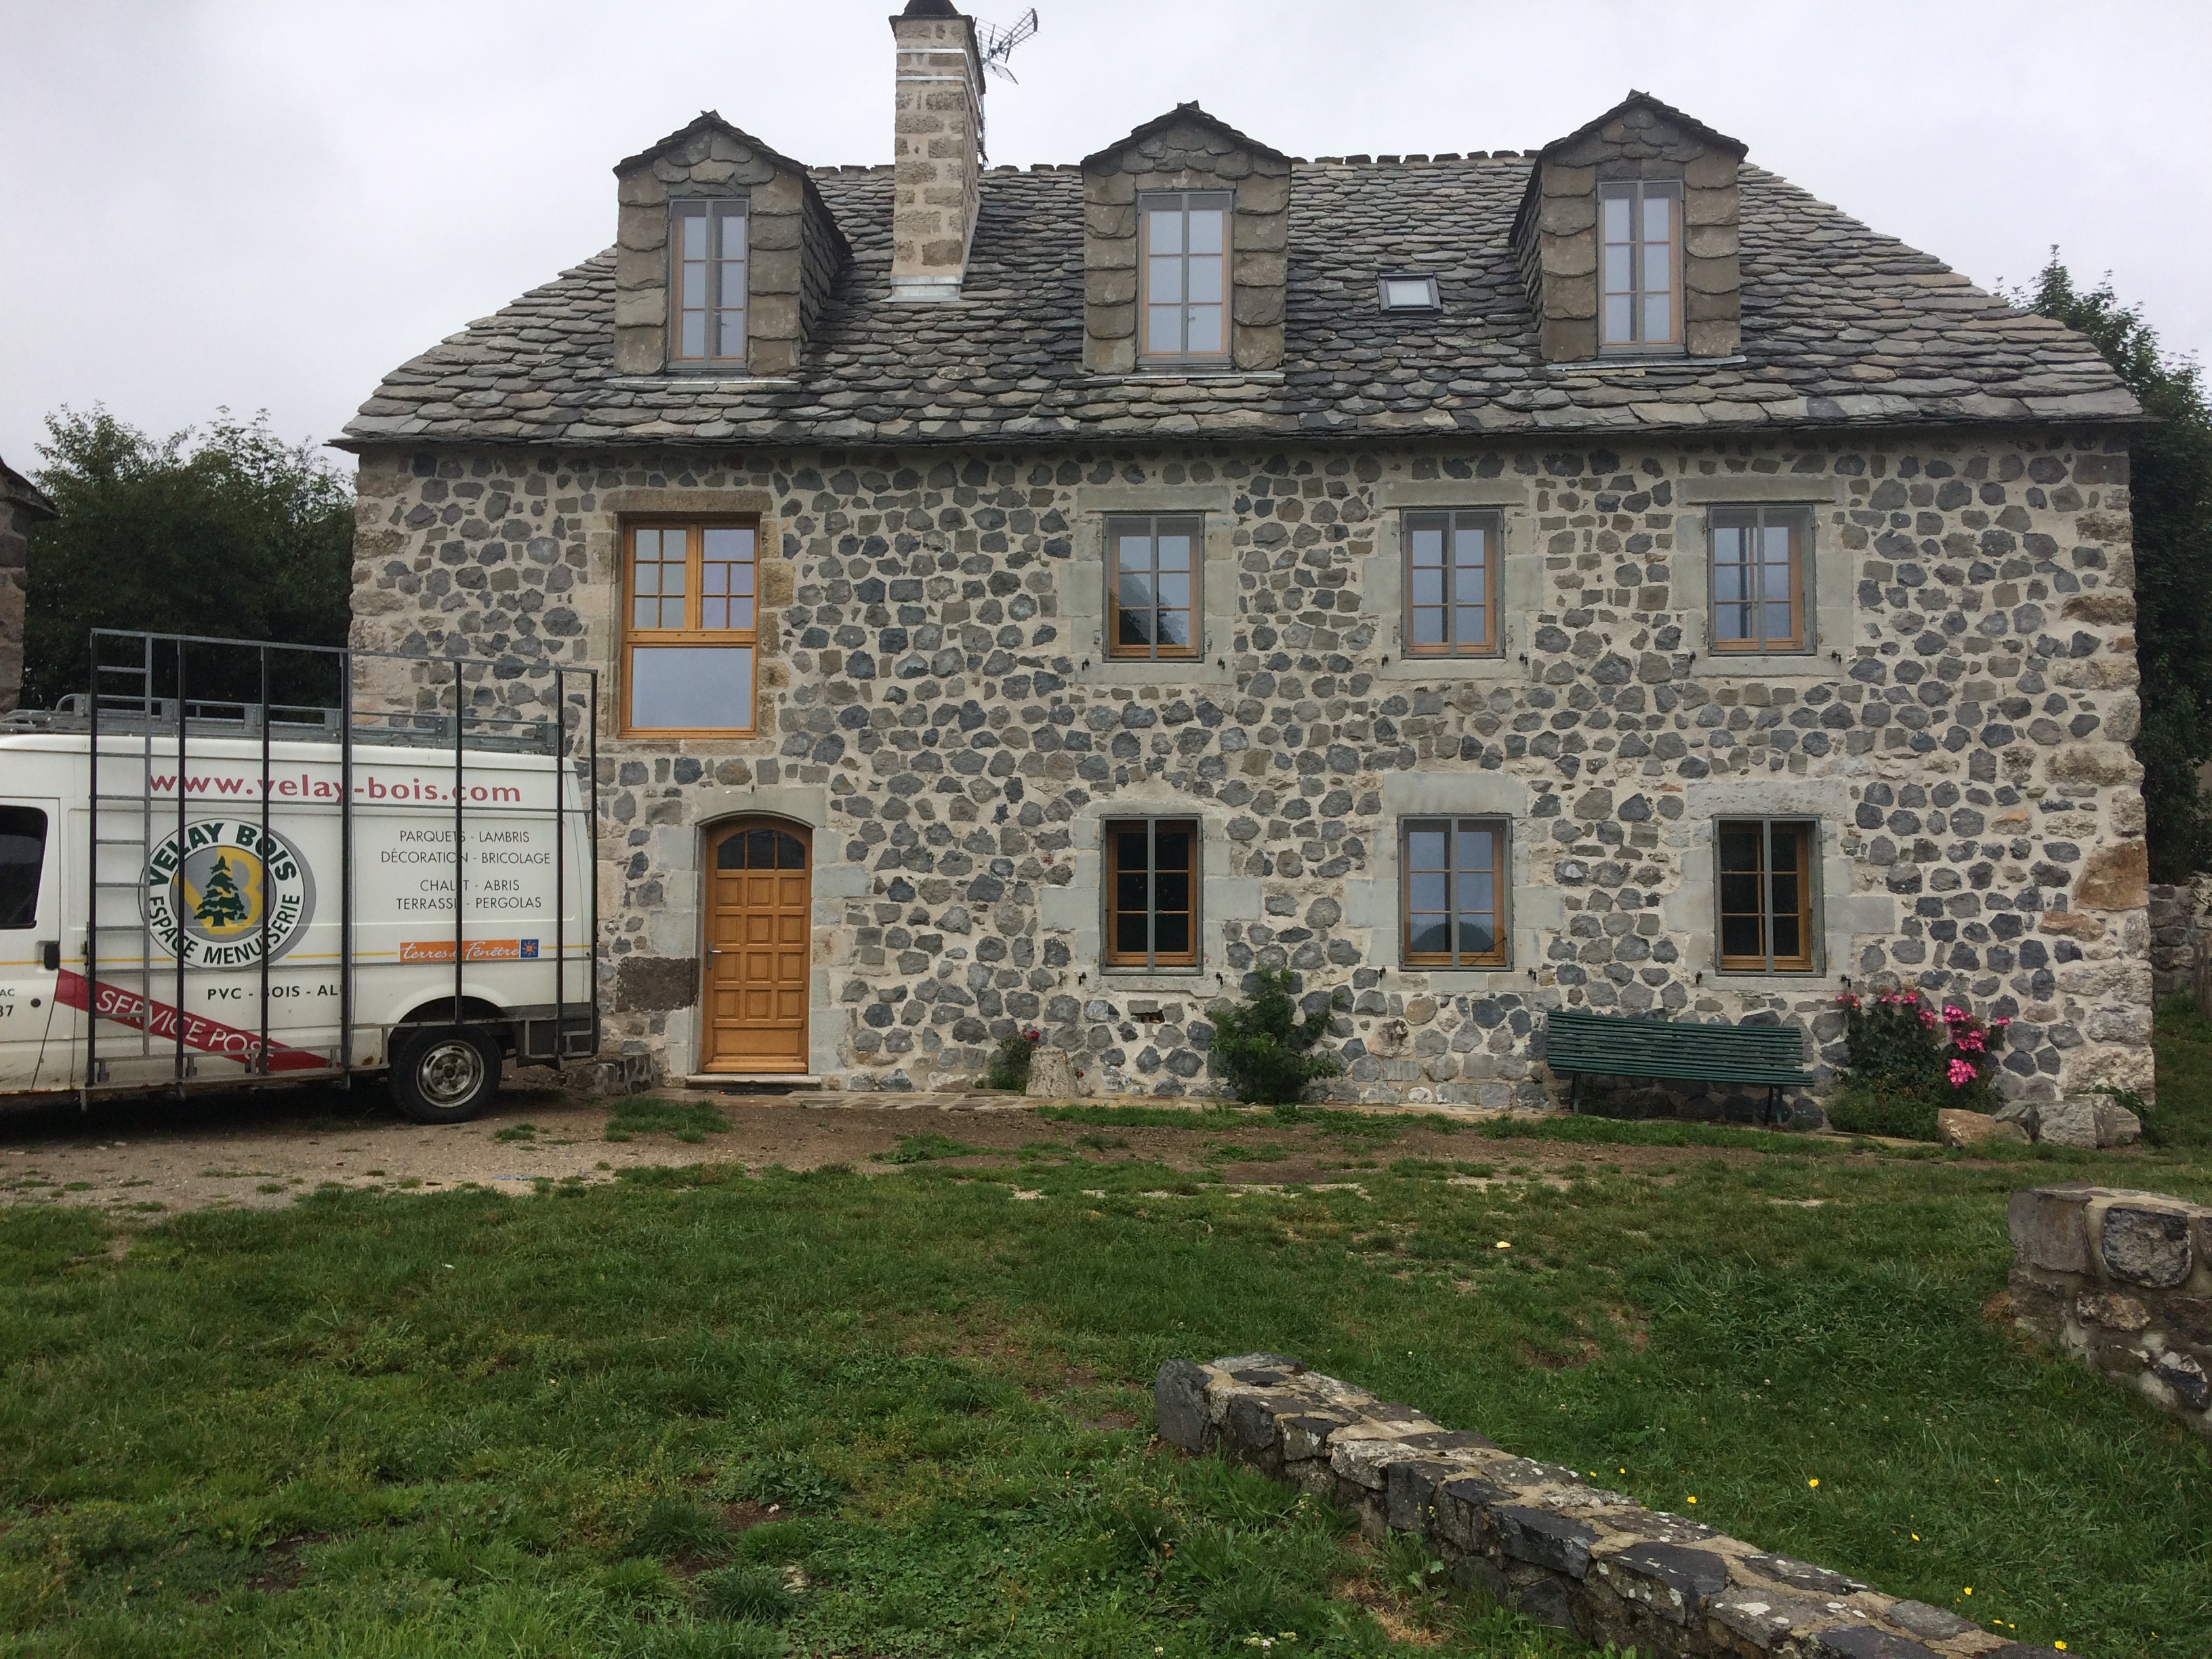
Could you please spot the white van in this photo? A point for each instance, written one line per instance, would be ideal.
(197, 895)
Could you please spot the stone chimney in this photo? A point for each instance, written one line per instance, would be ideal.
(938, 150)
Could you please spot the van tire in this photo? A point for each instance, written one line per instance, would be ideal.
(445, 1075)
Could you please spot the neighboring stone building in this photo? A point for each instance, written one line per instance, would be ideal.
(1599, 576)
(21, 505)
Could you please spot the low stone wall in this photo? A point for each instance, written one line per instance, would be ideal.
(1537, 1536)
(2122, 1280)
(2178, 921)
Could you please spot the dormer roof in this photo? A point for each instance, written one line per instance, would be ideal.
(707, 120)
(1188, 113)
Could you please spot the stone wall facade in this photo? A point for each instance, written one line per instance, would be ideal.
(1538, 1537)
(2122, 1281)
(936, 705)
(21, 505)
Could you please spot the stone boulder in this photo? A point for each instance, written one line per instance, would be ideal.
(1052, 1075)
(2088, 1122)
(1956, 1128)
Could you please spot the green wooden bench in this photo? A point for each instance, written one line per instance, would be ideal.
(1575, 1042)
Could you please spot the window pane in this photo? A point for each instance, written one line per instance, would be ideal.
(1659, 316)
(1171, 888)
(1428, 587)
(699, 687)
(1428, 935)
(1205, 330)
(694, 285)
(1425, 849)
(1425, 890)
(1728, 583)
(1658, 217)
(1163, 280)
(695, 334)
(741, 613)
(1732, 621)
(1728, 543)
(1175, 589)
(672, 613)
(1788, 943)
(695, 235)
(1135, 628)
(1616, 216)
(1473, 626)
(732, 341)
(1205, 282)
(1777, 624)
(1477, 894)
(1740, 936)
(1620, 320)
(1477, 937)
(1164, 330)
(1173, 550)
(1617, 268)
(1774, 581)
(1173, 628)
(1477, 848)
(22, 852)
(1171, 934)
(1136, 590)
(1429, 626)
(645, 613)
(1786, 842)
(1407, 295)
(1206, 230)
(1427, 542)
(1129, 890)
(1740, 846)
(1129, 931)
(1129, 852)
(1658, 267)
(731, 854)
(1164, 230)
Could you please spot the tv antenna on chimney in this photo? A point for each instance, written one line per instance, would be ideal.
(999, 43)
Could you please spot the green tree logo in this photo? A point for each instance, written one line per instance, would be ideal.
(221, 902)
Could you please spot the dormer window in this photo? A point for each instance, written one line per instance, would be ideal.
(1184, 266)
(1639, 223)
(706, 281)
(1409, 291)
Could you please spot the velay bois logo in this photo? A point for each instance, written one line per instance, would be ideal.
(209, 889)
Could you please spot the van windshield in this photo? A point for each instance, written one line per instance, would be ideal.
(22, 851)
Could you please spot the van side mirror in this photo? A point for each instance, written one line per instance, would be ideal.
(50, 955)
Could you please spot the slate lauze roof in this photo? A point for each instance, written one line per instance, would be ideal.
(1842, 327)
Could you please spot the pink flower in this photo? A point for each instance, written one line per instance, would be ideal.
(1962, 1074)
(1954, 1015)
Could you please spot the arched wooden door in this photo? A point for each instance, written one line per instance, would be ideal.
(760, 915)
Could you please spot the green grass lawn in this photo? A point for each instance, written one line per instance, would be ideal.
(695, 1412)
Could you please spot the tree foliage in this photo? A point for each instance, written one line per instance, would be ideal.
(2170, 493)
(224, 530)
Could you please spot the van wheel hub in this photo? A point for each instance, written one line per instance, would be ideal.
(449, 1070)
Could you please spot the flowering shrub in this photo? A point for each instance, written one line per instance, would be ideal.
(1010, 1067)
(1906, 1060)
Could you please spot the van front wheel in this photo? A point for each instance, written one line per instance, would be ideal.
(445, 1076)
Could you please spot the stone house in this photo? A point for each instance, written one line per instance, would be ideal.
(1596, 576)
(22, 504)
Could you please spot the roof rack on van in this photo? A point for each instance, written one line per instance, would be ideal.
(121, 715)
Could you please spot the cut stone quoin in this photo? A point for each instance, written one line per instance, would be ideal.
(1535, 1535)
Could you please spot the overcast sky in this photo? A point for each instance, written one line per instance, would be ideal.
(267, 204)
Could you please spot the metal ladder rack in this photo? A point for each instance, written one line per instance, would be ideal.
(139, 700)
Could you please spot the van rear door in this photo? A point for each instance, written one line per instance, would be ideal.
(31, 870)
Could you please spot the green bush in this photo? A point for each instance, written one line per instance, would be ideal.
(1906, 1060)
(1010, 1066)
(1262, 1049)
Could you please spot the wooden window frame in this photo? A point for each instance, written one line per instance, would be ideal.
(1111, 954)
(1501, 887)
(1455, 521)
(1153, 201)
(1636, 192)
(1119, 524)
(695, 532)
(1758, 521)
(1807, 833)
(719, 212)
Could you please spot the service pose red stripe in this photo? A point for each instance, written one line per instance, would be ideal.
(210, 1036)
